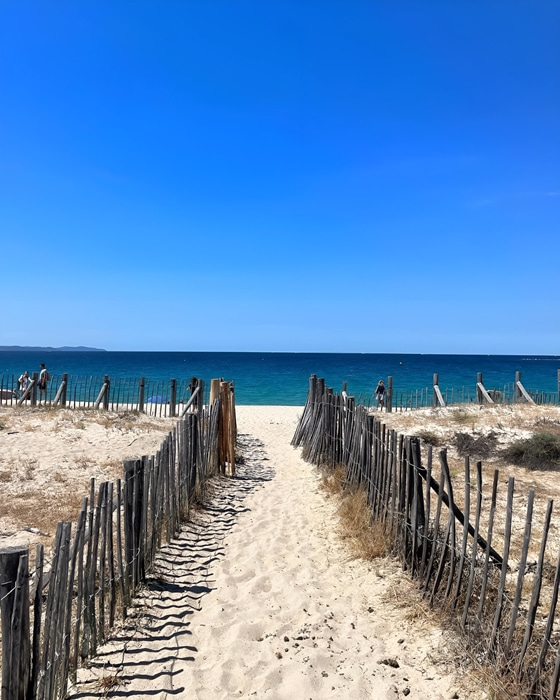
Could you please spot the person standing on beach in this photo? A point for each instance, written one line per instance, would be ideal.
(380, 394)
(44, 378)
(23, 382)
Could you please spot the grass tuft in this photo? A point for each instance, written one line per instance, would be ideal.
(540, 451)
(476, 445)
(366, 539)
(429, 437)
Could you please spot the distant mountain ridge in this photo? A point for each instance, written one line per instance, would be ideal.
(37, 348)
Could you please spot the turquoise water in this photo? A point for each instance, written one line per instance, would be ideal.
(283, 378)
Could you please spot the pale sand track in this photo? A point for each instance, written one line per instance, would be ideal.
(257, 598)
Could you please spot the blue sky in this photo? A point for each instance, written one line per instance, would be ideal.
(317, 175)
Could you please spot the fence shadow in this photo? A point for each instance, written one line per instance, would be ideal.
(141, 658)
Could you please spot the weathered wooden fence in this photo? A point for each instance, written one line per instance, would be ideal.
(97, 566)
(504, 603)
(425, 397)
(155, 397)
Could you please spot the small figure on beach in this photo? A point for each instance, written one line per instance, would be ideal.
(23, 382)
(44, 378)
(380, 394)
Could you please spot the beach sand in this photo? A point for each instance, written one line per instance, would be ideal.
(258, 598)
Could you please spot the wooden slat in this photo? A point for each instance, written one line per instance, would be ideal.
(502, 584)
(536, 591)
(489, 539)
(548, 627)
(467, 507)
(522, 565)
(474, 546)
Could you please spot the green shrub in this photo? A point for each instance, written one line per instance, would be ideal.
(541, 451)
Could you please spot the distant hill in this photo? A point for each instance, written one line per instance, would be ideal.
(36, 348)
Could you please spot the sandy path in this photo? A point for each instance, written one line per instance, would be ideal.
(257, 598)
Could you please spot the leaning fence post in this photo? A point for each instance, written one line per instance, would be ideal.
(60, 397)
(14, 610)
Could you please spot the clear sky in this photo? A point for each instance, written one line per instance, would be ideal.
(315, 175)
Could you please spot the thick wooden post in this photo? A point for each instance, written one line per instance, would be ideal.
(214, 390)
(107, 383)
(14, 610)
(479, 397)
(141, 390)
(389, 405)
(64, 389)
(35, 377)
(173, 398)
(517, 394)
(436, 383)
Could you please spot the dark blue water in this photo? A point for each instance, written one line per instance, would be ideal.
(283, 378)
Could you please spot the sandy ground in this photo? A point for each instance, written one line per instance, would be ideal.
(48, 456)
(258, 598)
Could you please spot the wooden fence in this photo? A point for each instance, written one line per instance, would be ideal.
(154, 397)
(429, 396)
(97, 566)
(504, 602)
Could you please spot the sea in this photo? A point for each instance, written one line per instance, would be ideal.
(282, 379)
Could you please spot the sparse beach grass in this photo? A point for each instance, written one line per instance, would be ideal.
(49, 456)
(366, 539)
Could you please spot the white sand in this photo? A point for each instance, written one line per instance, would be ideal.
(258, 598)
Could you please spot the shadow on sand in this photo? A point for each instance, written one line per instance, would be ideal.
(138, 660)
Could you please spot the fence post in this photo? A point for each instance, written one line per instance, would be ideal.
(479, 397)
(35, 377)
(389, 407)
(173, 398)
(436, 383)
(214, 390)
(107, 383)
(14, 610)
(64, 389)
(141, 390)
(558, 386)
(517, 394)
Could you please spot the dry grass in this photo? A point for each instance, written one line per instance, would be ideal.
(109, 683)
(429, 437)
(366, 539)
(50, 455)
(22, 508)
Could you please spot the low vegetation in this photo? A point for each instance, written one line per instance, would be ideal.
(540, 451)
(476, 445)
(366, 538)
